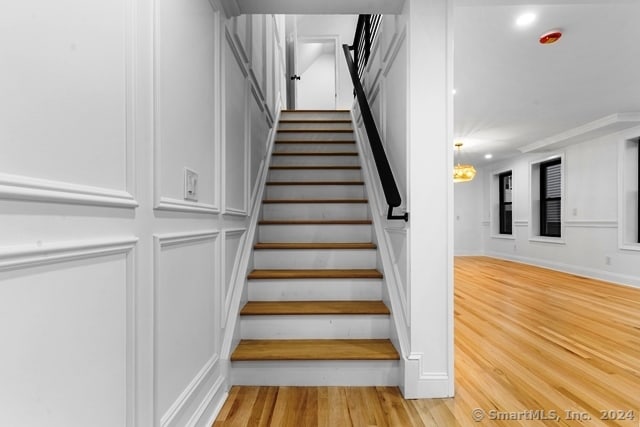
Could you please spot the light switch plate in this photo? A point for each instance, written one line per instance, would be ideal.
(190, 185)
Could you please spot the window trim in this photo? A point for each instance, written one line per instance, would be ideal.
(502, 204)
(628, 241)
(543, 199)
(534, 195)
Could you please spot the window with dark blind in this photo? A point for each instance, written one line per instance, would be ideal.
(506, 210)
(550, 197)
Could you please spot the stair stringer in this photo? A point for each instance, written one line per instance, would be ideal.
(243, 262)
(399, 326)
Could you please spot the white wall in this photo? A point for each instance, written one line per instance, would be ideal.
(408, 82)
(468, 235)
(114, 288)
(591, 244)
(343, 28)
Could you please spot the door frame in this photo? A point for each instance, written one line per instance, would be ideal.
(335, 39)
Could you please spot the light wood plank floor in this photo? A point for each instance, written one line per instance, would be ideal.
(527, 339)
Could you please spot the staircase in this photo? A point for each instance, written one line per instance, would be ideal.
(315, 314)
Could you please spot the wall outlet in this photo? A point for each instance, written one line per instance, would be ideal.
(607, 260)
(190, 185)
(574, 212)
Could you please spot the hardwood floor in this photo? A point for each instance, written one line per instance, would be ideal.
(529, 342)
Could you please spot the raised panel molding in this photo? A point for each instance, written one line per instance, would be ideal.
(162, 202)
(17, 187)
(207, 373)
(581, 223)
(39, 189)
(227, 209)
(30, 256)
(227, 288)
(402, 285)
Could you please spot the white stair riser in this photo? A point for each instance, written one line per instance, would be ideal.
(319, 125)
(314, 327)
(315, 290)
(315, 148)
(312, 136)
(315, 115)
(315, 175)
(315, 192)
(317, 373)
(315, 161)
(315, 211)
(315, 233)
(314, 259)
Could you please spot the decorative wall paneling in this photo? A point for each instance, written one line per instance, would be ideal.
(51, 156)
(186, 93)
(55, 321)
(187, 299)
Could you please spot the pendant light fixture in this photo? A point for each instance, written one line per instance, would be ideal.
(462, 172)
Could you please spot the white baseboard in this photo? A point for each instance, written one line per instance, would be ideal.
(592, 273)
(424, 385)
(468, 253)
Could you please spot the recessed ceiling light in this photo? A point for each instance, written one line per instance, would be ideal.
(454, 91)
(525, 19)
(488, 156)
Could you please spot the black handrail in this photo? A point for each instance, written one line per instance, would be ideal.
(391, 193)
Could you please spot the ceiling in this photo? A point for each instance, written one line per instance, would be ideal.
(513, 94)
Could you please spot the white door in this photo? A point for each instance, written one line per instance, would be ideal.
(316, 66)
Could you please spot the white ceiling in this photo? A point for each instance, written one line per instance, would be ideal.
(314, 7)
(514, 94)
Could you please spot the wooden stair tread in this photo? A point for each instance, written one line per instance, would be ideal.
(313, 245)
(315, 183)
(265, 308)
(315, 222)
(367, 273)
(272, 201)
(313, 153)
(315, 130)
(314, 141)
(354, 349)
(315, 121)
(315, 167)
(316, 111)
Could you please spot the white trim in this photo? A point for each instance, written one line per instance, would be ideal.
(165, 203)
(170, 204)
(226, 296)
(583, 132)
(188, 393)
(245, 251)
(428, 384)
(394, 37)
(595, 223)
(399, 313)
(503, 236)
(396, 49)
(623, 220)
(19, 187)
(544, 239)
(592, 273)
(534, 235)
(162, 241)
(239, 210)
(210, 399)
(31, 256)
(521, 223)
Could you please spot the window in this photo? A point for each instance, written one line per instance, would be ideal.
(505, 203)
(550, 197)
